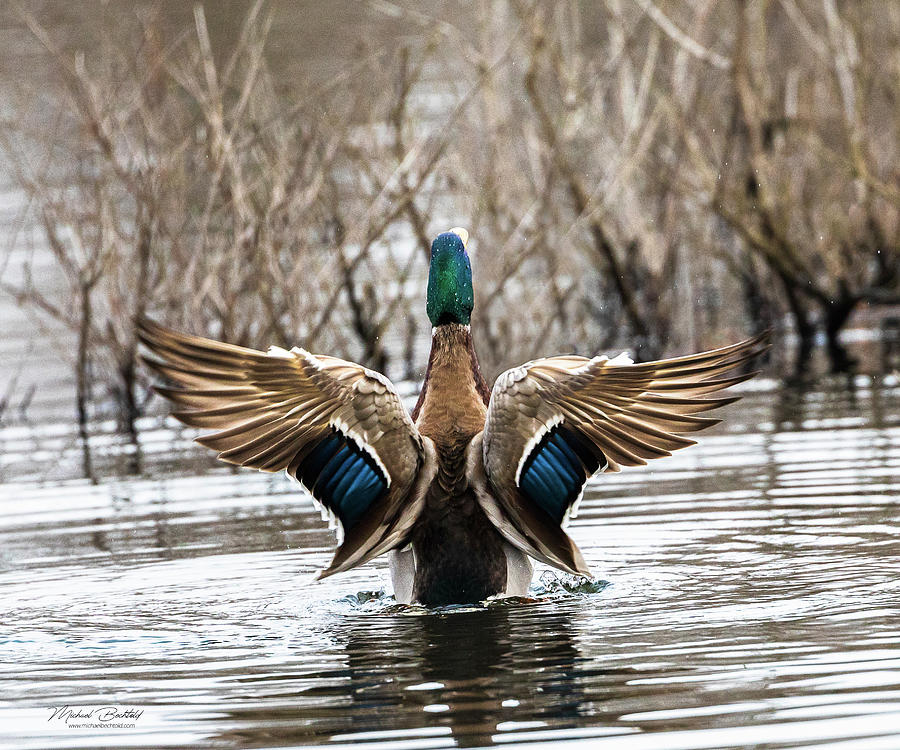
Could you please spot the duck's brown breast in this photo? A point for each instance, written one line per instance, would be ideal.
(453, 402)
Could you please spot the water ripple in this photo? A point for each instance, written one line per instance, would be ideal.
(746, 595)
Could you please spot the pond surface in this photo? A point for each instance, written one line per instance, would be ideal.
(748, 596)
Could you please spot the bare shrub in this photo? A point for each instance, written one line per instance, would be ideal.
(207, 195)
(793, 145)
(623, 168)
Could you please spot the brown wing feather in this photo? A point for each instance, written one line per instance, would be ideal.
(269, 410)
(626, 414)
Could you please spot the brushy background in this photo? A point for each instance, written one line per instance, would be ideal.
(649, 175)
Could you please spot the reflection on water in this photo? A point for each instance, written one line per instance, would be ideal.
(459, 675)
(752, 599)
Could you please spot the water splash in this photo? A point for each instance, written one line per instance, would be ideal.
(551, 586)
(554, 585)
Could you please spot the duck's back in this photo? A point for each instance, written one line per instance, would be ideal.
(457, 553)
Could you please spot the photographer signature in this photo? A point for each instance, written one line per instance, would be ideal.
(102, 714)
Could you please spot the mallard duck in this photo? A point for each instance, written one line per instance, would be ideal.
(464, 492)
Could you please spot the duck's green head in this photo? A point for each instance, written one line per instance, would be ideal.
(450, 296)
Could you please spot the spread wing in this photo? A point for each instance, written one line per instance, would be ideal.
(335, 426)
(554, 422)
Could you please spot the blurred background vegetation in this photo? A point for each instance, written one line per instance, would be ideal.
(651, 175)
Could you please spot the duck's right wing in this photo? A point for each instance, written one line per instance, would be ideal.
(553, 422)
(335, 426)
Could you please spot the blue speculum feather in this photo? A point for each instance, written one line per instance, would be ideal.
(342, 477)
(556, 470)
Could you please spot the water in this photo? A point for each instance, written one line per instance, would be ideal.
(747, 596)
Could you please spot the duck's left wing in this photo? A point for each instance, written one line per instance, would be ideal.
(553, 422)
(335, 426)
